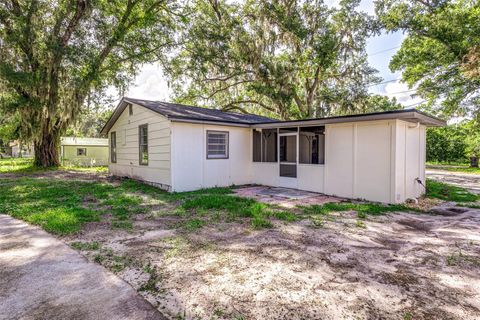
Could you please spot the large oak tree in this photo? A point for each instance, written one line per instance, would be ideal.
(283, 58)
(56, 53)
(441, 52)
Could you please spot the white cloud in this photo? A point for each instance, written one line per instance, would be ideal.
(402, 93)
(365, 5)
(150, 84)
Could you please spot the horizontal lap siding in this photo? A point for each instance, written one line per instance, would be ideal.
(126, 128)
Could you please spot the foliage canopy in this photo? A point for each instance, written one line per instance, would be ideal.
(55, 54)
(441, 52)
(282, 58)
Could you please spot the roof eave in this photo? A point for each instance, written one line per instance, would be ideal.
(410, 116)
(213, 122)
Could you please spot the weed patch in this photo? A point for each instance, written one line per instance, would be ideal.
(235, 207)
(362, 209)
(86, 246)
(443, 191)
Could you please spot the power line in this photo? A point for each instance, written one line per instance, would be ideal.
(415, 104)
(406, 91)
(382, 51)
(376, 84)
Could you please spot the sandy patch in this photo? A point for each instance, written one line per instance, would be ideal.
(400, 265)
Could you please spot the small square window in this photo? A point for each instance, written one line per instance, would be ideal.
(81, 151)
(217, 145)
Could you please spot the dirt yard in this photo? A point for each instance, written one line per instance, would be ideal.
(200, 265)
(394, 266)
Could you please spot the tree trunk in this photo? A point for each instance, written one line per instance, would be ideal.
(46, 149)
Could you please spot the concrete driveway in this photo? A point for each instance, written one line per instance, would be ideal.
(42, 278)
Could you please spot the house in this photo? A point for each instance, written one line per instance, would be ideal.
(84, 151)
(19, 150)
(376, 156)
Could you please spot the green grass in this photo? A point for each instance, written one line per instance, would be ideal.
(86, 246)
(25, 166)
(362, 209)
(234, 207)
(453, 167)
(443, 191)
(63, 206)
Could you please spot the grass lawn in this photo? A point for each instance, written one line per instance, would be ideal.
(209, 254)
(443, 191)
(62, 206)
(453, 167)
(25, 166)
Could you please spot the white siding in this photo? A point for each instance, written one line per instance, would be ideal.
(126, 127)
(410, 160)
(372, 160)
(359, 160)
(375, 160)
(190, 166)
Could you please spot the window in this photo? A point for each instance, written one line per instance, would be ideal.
(143, 144)
(312, 145)
(217, 145)
(130, 109)
(113, 147)
(81, 151)
(265, 145)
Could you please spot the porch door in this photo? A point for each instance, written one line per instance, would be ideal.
(288, 154)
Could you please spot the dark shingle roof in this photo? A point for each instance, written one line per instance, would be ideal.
(180, 111)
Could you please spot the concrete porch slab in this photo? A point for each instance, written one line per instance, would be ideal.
(284, 197)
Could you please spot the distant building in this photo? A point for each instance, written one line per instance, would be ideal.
(84, 151)
(19, 150)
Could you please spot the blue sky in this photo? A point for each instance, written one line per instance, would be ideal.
(151, 84)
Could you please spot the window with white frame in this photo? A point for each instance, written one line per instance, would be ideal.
(217, 144)
(113, 147)
(143, 144)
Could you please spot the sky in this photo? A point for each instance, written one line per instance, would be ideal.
(150, 84)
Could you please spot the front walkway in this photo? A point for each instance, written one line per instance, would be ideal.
(42, 278)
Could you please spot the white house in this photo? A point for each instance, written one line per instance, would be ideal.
(376, 156)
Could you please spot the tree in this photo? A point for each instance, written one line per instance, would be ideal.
(90, 122)
(281, 58)
(441, 52)
(453, 143)
(56, 53)
(446, 144)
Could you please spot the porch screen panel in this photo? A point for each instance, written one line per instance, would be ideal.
(265, 145)
(269, 145)
(312, 145)
(257, 146)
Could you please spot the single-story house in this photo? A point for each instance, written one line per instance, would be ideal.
(376, 156)
(84, 151)
(19, 150)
